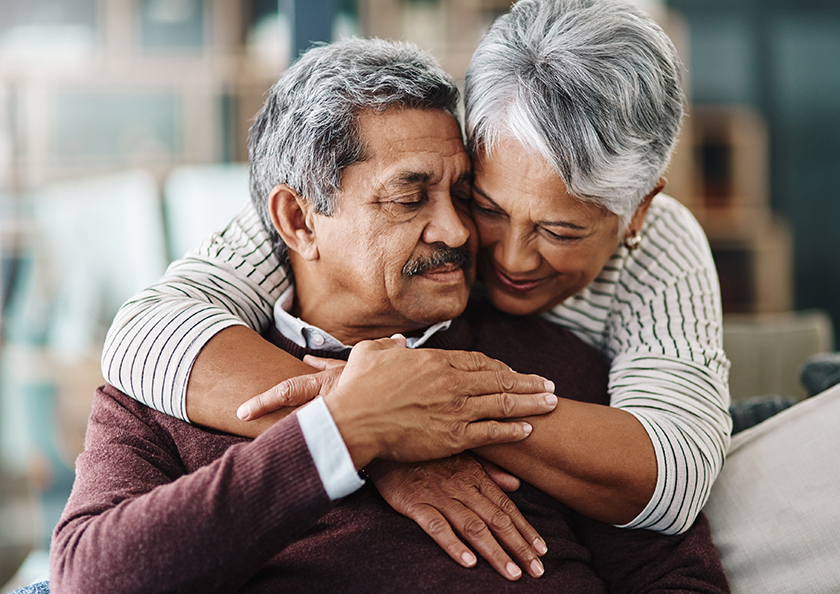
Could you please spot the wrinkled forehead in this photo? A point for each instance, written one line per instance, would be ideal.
(407, 147)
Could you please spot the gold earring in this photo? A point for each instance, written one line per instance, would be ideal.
(633, 240)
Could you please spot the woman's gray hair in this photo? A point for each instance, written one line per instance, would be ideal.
(307, 131)
(591, 86)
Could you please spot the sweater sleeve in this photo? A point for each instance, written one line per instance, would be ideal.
(136, 521)
(233, 278)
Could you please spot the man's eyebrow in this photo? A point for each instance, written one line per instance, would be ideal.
(410, 178)
(563, 224)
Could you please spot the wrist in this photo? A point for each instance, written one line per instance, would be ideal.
(357, 439)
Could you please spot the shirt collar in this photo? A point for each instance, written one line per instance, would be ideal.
(312, 337)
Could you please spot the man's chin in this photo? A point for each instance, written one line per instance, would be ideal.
(434, 307)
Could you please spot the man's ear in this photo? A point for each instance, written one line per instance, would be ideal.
(292, 216)
(639, 216)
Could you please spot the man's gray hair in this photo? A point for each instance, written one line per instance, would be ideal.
(307, 131)
(591, 86)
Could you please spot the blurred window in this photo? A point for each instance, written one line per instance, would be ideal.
(171, 23)
(43, 27)
(117, 127)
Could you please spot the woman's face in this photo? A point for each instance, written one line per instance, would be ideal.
(539, 245)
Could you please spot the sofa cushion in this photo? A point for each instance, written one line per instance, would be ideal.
(774, 510)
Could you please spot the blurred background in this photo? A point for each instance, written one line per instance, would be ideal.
(122, 138)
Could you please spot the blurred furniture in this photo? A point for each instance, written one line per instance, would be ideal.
(773, 510)
(768, 350)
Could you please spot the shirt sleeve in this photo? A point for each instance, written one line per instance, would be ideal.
(333, 461)
(668, 365)
(232, 278)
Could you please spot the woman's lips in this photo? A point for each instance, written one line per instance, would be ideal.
(515, 286)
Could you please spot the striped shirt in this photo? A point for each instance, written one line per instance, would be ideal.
(655, 313)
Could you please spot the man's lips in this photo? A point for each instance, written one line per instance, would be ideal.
(446, 269)
(515, 286)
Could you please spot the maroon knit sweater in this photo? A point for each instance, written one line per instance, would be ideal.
(163, 506)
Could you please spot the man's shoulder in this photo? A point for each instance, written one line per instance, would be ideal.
(117, 418)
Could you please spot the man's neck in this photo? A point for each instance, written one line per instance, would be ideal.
(342, 328)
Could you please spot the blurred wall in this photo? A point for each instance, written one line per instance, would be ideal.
(782, 58)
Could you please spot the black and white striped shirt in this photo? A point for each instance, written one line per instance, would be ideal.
(655, 313)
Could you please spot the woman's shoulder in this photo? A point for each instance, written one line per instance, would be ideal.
(671, 231)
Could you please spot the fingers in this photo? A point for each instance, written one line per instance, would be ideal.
(522, 541)
(471, 525)
(295, 391)
(322, 363)
(503, 479)
(480, 382)
(506, 405)
(435, 525)
(482, 433)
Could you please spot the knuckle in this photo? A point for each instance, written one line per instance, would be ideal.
(499, 521)
(475, 528)
(494, 430)
(507, 404)
(508, 507)
(506, 380)
(437, 527)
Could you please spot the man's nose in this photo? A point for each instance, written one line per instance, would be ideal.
(445, 225)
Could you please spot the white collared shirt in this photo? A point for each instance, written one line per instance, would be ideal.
(333, 461)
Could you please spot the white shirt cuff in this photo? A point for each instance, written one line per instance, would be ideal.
(335, 467)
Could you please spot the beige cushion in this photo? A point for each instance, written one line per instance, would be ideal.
(775, 509)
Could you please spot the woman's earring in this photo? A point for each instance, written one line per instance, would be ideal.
(633, 240)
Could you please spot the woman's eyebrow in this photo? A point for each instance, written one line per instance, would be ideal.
(564, 224)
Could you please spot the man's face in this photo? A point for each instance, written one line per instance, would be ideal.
(397, 254)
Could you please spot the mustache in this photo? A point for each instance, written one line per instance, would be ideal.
(442, 255)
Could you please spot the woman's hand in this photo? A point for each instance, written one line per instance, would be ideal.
(456, 495)
(295, 391)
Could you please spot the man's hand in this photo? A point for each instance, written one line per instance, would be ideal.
(455, 495)
(421, 404)
(295, 391)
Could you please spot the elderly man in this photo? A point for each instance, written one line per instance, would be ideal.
(161, 505)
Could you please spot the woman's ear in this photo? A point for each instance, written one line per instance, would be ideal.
(292, 216)
(638, 219)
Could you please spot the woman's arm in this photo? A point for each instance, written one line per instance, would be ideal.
(657, 316)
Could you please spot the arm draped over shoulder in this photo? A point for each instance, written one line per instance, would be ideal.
(232, 278)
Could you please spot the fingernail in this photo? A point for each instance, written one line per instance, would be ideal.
(513, 570)
(468, 559)
(549, 386)
(537, 568)
(551, 400)
(527, 428)
(243, 412)
(539, 546)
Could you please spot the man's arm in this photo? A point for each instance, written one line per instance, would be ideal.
(136, 522)
(139, 521)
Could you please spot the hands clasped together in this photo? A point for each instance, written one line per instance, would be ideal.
(407, 415)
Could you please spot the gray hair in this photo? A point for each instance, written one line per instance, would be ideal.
(307, 131)
(591, 86)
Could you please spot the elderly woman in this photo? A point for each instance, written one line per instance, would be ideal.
(572, 112)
